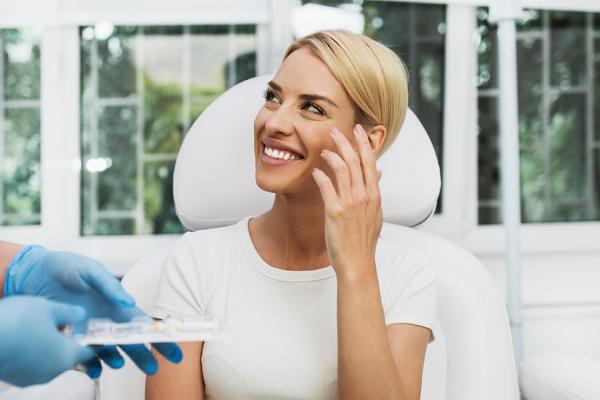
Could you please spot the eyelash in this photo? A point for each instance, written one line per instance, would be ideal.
(268, 95)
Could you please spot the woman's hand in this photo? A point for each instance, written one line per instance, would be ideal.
(353, 216)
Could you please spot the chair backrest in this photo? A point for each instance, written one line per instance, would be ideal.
(471, 359)
(220, 156)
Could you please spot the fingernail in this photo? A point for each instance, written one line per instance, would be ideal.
(118, 363)
(93, 373)
(176, 356)
(152, 369)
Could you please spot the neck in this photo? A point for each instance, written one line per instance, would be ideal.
(292, 233)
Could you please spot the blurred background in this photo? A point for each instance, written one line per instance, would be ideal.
(96, 97)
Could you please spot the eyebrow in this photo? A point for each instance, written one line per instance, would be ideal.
(308, 97)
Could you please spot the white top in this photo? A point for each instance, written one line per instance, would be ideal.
(279, 327)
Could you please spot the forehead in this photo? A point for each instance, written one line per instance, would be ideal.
(303, 72)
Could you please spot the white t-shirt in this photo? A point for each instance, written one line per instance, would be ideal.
(279, 327)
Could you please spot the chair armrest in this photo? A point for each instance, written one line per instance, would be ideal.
(560, 376)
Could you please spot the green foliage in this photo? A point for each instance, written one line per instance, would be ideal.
(163, 126)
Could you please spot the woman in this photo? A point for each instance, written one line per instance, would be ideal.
(312, 302)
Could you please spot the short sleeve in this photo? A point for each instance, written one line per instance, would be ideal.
(412, 294)
(183, 289)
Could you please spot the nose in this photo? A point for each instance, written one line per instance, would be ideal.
(280, 121)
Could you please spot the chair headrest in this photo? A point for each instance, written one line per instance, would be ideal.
(214, 183)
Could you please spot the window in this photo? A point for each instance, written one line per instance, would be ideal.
(19, 127)
(559, 124)
(416, 32)
(141, 88)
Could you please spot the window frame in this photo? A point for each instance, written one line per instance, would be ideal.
(488, 240)
(60, 112)
(60, 97)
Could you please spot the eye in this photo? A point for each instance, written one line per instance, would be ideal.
(268, 95)
(318, 109)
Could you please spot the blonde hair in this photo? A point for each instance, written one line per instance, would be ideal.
(372, 75)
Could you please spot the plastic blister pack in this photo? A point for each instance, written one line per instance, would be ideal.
(145, 330)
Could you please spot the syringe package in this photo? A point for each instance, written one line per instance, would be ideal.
(147, 330)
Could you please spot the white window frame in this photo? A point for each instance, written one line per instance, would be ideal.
(461, 171)
(61, 130)
(60, 96)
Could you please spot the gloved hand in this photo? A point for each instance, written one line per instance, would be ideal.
(75, 279)
(32, 350)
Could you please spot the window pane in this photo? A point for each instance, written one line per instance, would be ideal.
(19, 127)
(142, 87)
(112, 226)
(567, 50)
(533, 186)
(596, 85)
(532, 21)
(116, 60)
(159, 207)
(163, 89)
(21, 166)
(596, 184)
(559, 163)
(567, 147)
(21, 64)
(486, 51)
(117, 145)
(489, 174)
(530, 92)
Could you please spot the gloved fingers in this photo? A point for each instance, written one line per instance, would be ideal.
(111, 356)
(84, 354)
(65, 314)
(93, 368)
(101, 280)
(170, 351)
(142, 357)
(71, 352)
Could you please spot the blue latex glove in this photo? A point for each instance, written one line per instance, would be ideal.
(32, 350)
(75, 279)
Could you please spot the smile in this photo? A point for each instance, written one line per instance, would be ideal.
(280, 154)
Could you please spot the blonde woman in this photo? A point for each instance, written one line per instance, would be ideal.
(313, 303)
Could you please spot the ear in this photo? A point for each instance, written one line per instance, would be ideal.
(377, 136)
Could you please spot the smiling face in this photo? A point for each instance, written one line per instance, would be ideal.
(302, 103)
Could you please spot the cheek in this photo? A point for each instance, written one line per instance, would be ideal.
(259, 123)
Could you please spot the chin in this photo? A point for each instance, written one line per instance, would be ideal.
(268, 184)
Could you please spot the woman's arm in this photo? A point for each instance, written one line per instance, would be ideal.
(7, 252)
(181, 381)
(375, 361)
(353, 220)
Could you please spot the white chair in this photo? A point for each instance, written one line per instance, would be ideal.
(560, 376)
(472, 357)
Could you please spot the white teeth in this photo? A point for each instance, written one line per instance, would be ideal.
(280, 154)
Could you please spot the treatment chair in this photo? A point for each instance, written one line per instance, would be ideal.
(214, 185)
